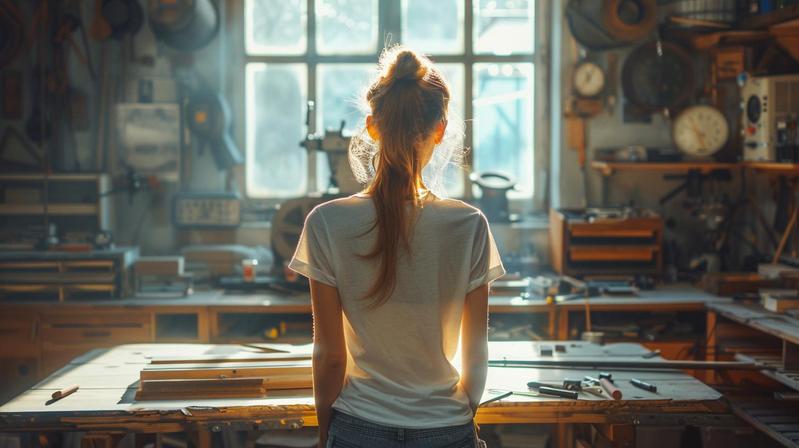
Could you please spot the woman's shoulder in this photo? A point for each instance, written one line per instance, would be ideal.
(459, 211)
(456, 206)
(339, 208)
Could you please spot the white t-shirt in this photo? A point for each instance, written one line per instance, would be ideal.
(400, 355)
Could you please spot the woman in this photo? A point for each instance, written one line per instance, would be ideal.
(397, 277)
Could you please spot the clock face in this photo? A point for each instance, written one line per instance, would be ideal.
(700, 131)
(589, 79)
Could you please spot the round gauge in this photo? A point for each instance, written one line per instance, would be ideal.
(657, 76)
(589, 79)
(753, 109)
(700, 131)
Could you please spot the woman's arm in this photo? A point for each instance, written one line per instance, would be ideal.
(474, 344)
(329, 352)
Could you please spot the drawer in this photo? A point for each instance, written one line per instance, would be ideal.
(612, 253)
(105, 330)
(19, 334)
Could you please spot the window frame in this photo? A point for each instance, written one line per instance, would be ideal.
(390, 21)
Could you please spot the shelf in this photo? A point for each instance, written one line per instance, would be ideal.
(764, 21)
(789, 378)
(52, 209)
(777, 420)
(51, 177)
(608, 168)
(774, 167)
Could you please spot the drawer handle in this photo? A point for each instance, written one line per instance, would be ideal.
(96, 334)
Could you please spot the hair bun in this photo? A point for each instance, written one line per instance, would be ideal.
(407, 67)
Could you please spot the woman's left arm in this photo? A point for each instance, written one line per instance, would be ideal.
(329, 352)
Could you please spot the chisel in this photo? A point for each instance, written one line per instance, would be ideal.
(643, 385)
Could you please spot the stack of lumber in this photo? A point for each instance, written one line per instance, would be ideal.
(244, 375)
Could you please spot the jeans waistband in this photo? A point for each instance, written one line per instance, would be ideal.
(390, 432)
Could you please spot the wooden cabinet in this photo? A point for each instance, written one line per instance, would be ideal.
(66, 336)
(105, 330)
(17, 375)
(18, 333)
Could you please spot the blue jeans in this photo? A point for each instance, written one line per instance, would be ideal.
(347, 431)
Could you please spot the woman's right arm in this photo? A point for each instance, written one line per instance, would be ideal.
(474, 344)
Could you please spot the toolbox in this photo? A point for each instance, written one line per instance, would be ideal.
(608, 241)
(60, 276)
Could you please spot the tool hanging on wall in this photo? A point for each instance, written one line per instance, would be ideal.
(124, 17)
(12, 31)
(657, 76)
(208, 116)
(185, 25)
(100, 29)
(607, 24)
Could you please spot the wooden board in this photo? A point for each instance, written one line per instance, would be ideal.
(224, 370)
(237, 357)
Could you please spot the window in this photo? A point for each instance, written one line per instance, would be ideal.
(325, 51)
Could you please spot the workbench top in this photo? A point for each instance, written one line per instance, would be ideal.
(108, 380)
(667, 296)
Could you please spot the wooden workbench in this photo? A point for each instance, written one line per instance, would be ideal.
(40, 337)
(108, 380)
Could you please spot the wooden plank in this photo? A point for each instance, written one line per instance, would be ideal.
(245, 387)
(225, 371)
(238, 357)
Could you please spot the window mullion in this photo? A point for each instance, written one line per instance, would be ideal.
(311, 58)
(391, 19)
(468, 95)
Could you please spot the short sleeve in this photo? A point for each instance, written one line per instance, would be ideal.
(486, 265)
(313, 257)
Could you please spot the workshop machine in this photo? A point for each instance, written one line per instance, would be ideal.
(769, 107)
(287, 223)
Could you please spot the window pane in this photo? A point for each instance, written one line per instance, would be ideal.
(276, 98)
(434, 27)
(503, 26)
(276, 26)
(453, 174)
(503, 118)
(346, 26)
(340, 88)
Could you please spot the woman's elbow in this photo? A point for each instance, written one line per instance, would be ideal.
(333, 360)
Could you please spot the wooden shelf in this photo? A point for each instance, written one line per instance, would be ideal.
(608, 168)
(789, 378)
(774, 167)
(52, 209)
(764, 21)
(776, 420)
